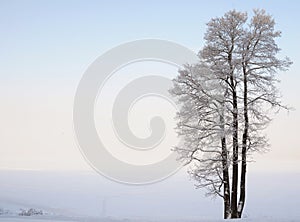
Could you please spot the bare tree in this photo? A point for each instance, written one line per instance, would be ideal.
(225, 95)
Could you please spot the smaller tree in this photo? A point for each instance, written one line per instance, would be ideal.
(202, 121)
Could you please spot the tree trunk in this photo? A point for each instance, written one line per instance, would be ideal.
(244, 147)
(235, 169)
(226, 191)
(226, 185)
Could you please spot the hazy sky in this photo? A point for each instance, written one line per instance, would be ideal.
(47, 46)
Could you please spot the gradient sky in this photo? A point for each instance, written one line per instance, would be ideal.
(45, 47)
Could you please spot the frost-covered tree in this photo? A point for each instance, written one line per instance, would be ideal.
(226, 101)
(203, 122)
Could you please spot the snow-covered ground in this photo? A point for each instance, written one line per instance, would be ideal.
(87, 219)
(87, 196)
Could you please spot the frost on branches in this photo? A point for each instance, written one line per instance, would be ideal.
(226, 101)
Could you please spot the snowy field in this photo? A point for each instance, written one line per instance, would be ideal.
(87, 219)
(86, 196)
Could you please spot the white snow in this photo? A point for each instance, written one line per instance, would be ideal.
(89, 197)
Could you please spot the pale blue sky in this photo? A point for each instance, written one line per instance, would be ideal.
(73, 29)
(47, 45)
(44, 33)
